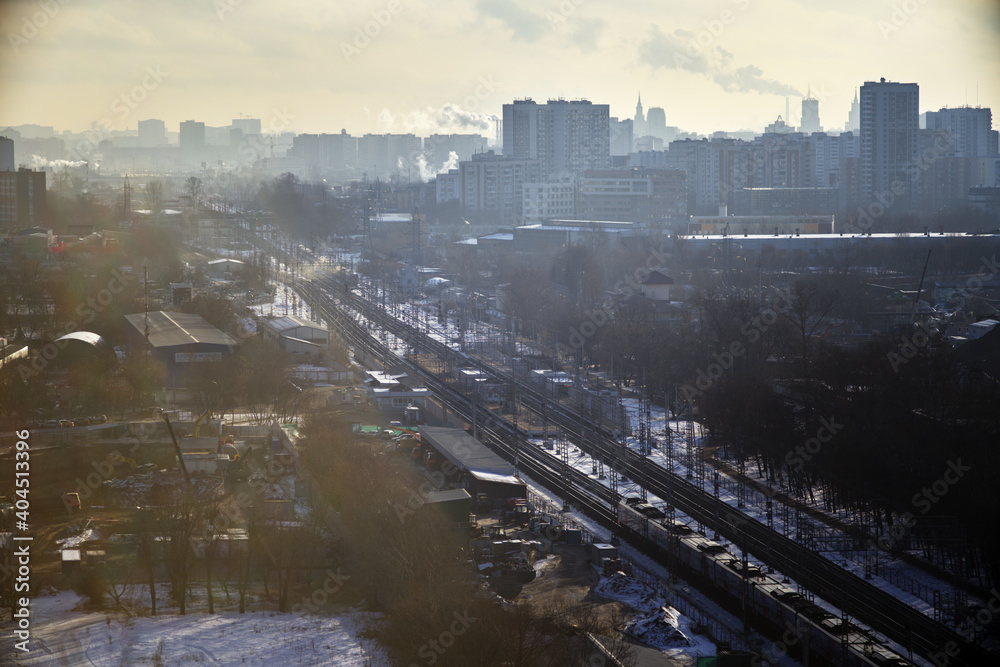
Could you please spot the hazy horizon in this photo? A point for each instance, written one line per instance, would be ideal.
(450, 66)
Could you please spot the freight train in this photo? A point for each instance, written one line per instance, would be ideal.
(809, 627)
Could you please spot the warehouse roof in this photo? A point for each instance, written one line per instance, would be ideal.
(464, 451)
(169, 329)
(87, 337)
(289, 322)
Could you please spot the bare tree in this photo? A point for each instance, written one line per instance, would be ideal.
(193, 188)
(146, 530)
(809, 305)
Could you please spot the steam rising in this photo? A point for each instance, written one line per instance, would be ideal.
(449, 118)
(39, 162)
(683, 50)
(427, 172)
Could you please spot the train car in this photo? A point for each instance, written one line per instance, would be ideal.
(826, 634)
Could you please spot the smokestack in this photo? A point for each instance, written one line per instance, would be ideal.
(788, 120)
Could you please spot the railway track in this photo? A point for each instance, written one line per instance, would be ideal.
(852, 593)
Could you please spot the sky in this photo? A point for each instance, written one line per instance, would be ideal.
(450, 65)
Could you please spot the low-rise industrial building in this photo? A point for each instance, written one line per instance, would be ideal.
(178, 340)
(296, 335)
(224, 268)
(480, 469)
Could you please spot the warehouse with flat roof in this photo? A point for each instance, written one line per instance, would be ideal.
(481, 469)
(179, 340)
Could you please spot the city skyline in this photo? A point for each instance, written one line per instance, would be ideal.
(311, 67)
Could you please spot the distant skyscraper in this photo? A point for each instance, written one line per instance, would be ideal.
(566, 136)
(969, 128)
(656, 122)
(192, 136)
(152, 132)
(853, 123)
(639, 121)
(889, 132)
(810, 116)
(621, 135)
(520, 129)
(6, 154)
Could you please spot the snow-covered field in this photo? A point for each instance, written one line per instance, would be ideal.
(61, 636)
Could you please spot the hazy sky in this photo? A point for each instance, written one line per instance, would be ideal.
(448, 65)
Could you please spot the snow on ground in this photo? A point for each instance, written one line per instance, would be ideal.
(630, 591)
(62, 636)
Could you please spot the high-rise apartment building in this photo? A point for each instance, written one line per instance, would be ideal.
(384, 154)
(152, 132)
(889, 141)
(6, 154)
(567, 137)
(325, 151)
(969, 128)
(192, 135)
(493, 185)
